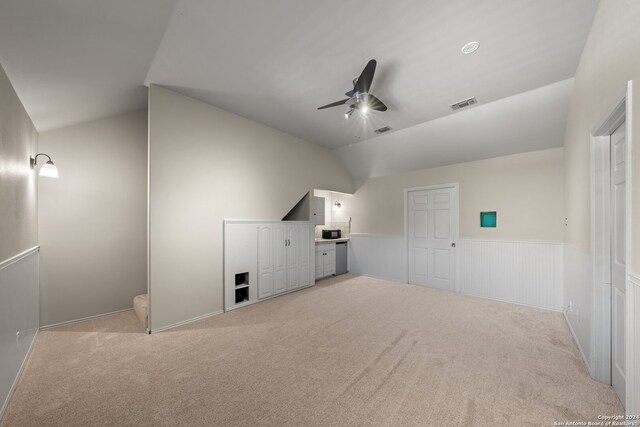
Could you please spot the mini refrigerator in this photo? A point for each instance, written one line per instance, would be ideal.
(341, 258)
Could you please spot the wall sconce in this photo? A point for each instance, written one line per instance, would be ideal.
(48, 169)
(337, 204)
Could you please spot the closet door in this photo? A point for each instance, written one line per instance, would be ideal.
(432, 232)
(280, 258)
(304, 255)
(265, 260)
(293, 262)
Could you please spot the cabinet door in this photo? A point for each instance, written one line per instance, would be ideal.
(265, 261)
(280, 259)
(329, 263)
(318, 210)
(293, 264)
(319, 264)
(304, 255)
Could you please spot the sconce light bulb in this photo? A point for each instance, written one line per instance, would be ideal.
(49, 170)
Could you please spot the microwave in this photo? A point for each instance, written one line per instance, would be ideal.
(331, 234)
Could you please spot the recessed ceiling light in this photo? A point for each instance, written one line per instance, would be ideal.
(470, 47)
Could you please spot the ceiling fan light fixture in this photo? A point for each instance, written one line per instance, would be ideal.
(470, 48)
(359, 97)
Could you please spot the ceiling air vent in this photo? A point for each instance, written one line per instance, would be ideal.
(383, 130)
(464, 103)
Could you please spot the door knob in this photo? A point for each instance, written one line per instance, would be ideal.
(453, 245)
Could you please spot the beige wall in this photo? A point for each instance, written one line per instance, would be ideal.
(525, 189)
(18, 183)
(610, 58)
(93, 218)
(206, 165)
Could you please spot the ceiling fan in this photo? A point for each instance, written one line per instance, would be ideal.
(359, 98)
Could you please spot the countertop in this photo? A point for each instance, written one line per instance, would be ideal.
(346, 239)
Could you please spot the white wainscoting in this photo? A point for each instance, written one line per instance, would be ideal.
(377, 255)
(521, 272)
(19, 309)
(633, 345)
(578, 290)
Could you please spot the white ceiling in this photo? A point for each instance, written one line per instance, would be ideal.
(276, 61)
(530, 121)
(71, 61)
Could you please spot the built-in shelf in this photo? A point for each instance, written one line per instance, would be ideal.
(242, 287)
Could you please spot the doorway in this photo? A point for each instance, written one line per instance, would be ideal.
(610, 153)
(431, 221)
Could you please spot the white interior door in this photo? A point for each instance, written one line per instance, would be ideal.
(432, 233)
(618, 260)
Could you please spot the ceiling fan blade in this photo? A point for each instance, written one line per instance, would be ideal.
(375, 104)
(350, 93)
(366, 77)
(334, 104)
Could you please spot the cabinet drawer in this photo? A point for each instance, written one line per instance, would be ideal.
(325, 247)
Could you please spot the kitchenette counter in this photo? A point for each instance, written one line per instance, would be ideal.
(346, 239)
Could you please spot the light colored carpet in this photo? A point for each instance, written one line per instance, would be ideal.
(349, 351)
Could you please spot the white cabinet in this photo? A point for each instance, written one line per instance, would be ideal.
(241, 263)
(325, 260)
(283, 258)
(263, 259)
(318, 210)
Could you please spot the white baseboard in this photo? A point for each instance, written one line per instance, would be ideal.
(70, 322)
(575, 339)
(185, 322)
(17, 378)
(290, 291)
(516, 303)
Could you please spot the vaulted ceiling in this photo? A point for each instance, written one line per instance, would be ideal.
(276, 61)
